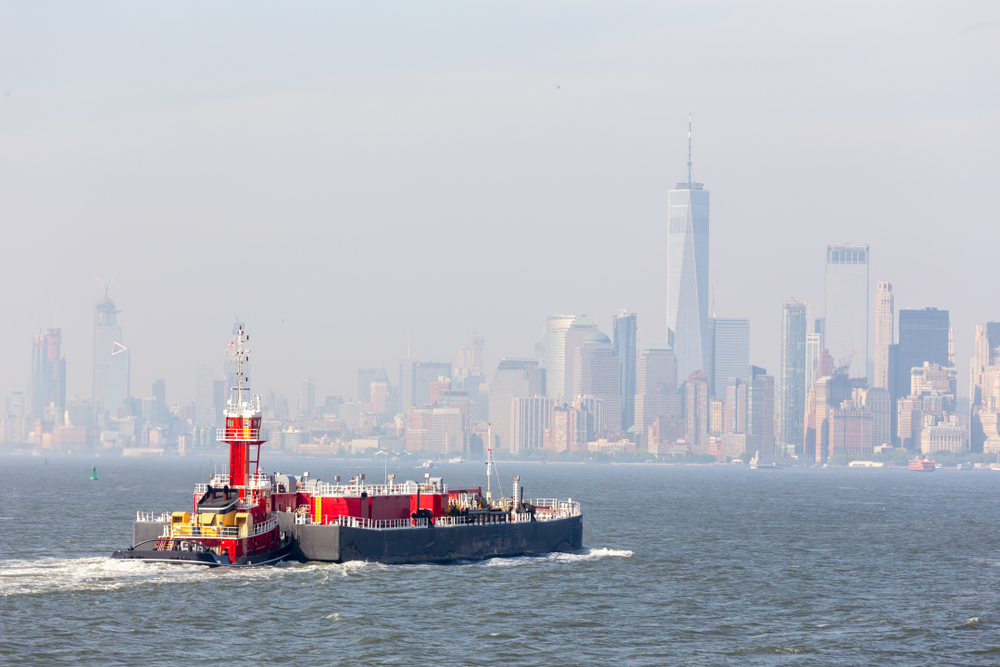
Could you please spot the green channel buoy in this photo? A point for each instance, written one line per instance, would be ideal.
(93, 475)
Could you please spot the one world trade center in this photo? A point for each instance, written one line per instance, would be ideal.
(687, 273)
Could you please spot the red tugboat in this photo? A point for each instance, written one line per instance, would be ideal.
(243, 519)
(233, 522)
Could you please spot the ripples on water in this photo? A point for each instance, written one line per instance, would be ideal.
(693, 565)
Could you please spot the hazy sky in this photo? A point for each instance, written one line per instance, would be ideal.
(345, 176)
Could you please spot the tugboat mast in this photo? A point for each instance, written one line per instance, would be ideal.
(243, 417)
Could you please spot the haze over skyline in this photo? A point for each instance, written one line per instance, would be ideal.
(347, 179)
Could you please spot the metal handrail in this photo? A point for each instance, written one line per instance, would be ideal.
(354, 490)
(222, 532)
(241, 434)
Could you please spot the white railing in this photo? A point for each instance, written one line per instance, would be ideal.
(547, 509)
(375, 524)
(223, 532)
(241, 434)
(152, 517)
(258, 481)
(355, 490)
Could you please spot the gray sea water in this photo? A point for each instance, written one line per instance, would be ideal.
(682, 565)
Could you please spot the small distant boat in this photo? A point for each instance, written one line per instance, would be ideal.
(922, 465)
(426, 464)
(457, 459)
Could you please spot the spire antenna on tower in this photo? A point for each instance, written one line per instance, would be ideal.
(690, 177)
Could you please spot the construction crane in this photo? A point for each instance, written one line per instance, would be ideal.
(845, 363)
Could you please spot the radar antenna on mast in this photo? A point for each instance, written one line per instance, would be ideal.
(242, 355)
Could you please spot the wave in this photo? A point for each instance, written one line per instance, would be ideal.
(23, 577)
(20, 577)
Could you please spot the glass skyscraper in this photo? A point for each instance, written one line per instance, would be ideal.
(794, 329)
(923, 336)
(555, 354)
(687, 273)
(111, 364)
(728, 353)
(626, 330)
(847, 306)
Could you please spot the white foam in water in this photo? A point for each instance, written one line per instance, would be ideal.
(587, 553)
(42, 576)
(21, 577)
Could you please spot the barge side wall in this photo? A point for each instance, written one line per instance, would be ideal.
(432, 544)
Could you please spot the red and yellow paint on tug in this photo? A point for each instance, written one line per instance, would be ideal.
(234, 521)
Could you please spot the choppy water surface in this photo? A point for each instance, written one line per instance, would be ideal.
(692, 565)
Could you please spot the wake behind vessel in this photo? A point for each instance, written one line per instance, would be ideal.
(244, 519)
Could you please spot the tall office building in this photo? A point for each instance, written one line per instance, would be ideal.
(596, 373)
(697, 412)
(531, 416)
(111, 364)
(415, 379)
(728, 353)
(687, 272)
(877, 400)
(656, 390)
(847, 306)
(793, 375)
(626, 334)
(365, 378)
(204, 397)
(923, 336)
(514, 378)
(760, 412)
(48, 377)
(556, 327)
(580, 329)
(984, 385)
(883, 334)
(307, 397)
(470, 359)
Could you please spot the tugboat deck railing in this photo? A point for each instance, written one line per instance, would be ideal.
(241, 435)
(221, 532)
(258, 481)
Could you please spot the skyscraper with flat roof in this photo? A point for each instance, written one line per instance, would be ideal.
(626, 332)
(307, 397)
(923, 336)
(793, 375)
(760, 412)
(580, 329)
(847, 305)
(656, 390)
(728, 353)
(697, 412)
(556, 327)
(365, 378)
(48, 376)
(514, 378)
(883, 334)
(687, 272)
(595, 374)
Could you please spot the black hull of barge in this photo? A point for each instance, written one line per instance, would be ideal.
(431, 544)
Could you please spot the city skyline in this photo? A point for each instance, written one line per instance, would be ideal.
(531, 153)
